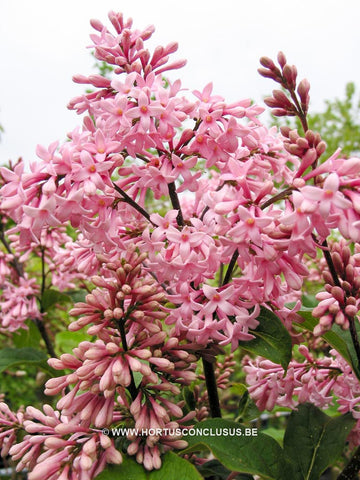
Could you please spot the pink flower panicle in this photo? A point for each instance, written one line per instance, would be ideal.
(323, 381)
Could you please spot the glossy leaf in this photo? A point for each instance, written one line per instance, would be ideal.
(27, 338)
(257, 455)
(272, 340)
(11, 357)
(51, 297)
(313, 440)
(173, 468)
(337, 338)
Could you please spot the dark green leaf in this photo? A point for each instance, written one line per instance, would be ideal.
(52, 297)
(77, 295)
(214, 468)
(129, 470)
(272, 340)
(27, 338)
(337, 338)
(313, 440)
(257, 455)
(173, 468)
(11, 357)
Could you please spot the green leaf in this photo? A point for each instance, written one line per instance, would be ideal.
(129, 470)
(77, 295)
(137, 378)
(257, 455)
(271, 341)
(213, 468)
(337, 338)
(173, 468)
(51, 297)
(11, 357)
(313, 440)
(67, 341)
(27, 338)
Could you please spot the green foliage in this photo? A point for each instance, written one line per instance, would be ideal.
(173, 468)
(339, 124)
(337, 338)
(27, 338)
(272, 340)
(257, 455)
(66, 341)
(214, 469)
(313, 440)
(51, 298)
(11, 357)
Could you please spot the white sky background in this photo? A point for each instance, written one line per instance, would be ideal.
(43, 43)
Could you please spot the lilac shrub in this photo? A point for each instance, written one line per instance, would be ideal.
(194, 230)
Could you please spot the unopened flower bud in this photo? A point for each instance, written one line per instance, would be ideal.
(293, 135)
(351, 310)
(290, 73)
(282, 99)
(349, 273)
(126, 289)
(281, 59)
(320, 148)
(280, 112)
(302, 143)
(118, 313)
(347, 287)
(285, 131)
(328, 278)
(351, 300)
(340, 318)
(264, 72)
(310, 136)
(338, 264)
(267, 63)
(338, 294)
(303, 90)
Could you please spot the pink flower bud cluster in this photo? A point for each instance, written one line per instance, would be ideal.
(340, 302)
(308, 148)
(310, 381)
(125, 312)
(285, 75)
(60, 447)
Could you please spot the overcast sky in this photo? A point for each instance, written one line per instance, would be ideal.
(43, 43)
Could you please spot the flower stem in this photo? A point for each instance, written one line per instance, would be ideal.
(49, 346)
(176, 204)
(132, 202)
(211, 386)
(132, 387)
(231, 267)
(284, 194)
